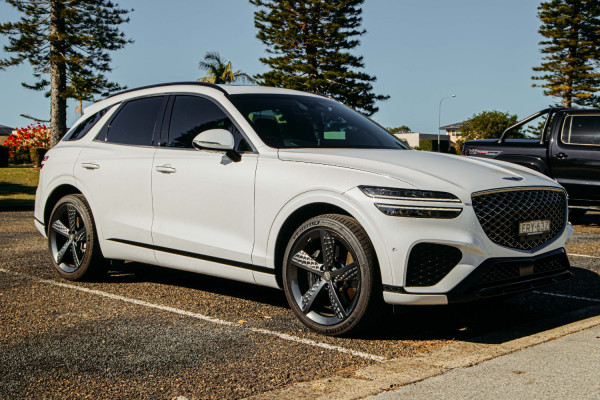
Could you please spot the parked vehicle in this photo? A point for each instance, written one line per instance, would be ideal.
(296, 191)
(567, 149)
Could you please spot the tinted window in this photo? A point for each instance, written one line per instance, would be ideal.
(134, 123)
(288, 121)
(582, 129)
(84, 127)
(192, 115)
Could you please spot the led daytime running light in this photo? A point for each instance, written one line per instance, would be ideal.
(419, 212)
(407, 194)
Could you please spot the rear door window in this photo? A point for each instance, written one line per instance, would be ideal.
(582, 130)
(135, 123)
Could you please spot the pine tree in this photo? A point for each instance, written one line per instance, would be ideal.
(571, 54)
(309, 42)
(69, 40)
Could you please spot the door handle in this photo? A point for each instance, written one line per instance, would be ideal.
(560, 156)
(166, 169)
(90, 165)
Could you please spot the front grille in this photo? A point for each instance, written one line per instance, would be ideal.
(429, 263)
(505, 271)
(500, 213)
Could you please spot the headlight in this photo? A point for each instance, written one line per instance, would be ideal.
(413, 209)
(419, 212)
(408, 194)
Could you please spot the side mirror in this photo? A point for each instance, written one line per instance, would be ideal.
(217, 139)
(214, 139)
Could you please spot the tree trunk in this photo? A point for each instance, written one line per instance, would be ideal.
(58, 72)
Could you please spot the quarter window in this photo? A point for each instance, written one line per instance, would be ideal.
(192, 115)
(135, 122)
(582, 129)
(84, 127)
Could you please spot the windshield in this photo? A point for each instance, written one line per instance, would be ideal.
(294, 121)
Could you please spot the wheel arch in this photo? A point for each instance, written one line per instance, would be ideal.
(58, 193)
(311, 205)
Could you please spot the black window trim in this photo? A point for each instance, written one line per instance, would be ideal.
(157, 126)
(166, 121)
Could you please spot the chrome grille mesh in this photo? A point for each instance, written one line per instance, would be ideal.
(500, 213)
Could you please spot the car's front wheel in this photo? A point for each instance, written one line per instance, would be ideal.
(330, 275)
(72, 239)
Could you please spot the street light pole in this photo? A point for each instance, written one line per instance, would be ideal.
(440, 117)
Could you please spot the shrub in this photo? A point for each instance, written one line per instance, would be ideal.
(426, 145)
(432, 145)
(24, 139)
(20, 156)
(37, 154)
(4, 156)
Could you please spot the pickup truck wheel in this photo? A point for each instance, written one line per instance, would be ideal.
(330, 275)
(72, 239)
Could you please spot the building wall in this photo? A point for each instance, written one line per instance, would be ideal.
(414, 139)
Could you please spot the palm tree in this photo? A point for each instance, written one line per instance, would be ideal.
(220, 71)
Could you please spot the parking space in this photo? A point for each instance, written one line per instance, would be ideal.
(157, 333)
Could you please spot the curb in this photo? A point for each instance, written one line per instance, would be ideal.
(388, 375)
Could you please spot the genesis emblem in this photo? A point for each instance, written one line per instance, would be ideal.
(513, 178)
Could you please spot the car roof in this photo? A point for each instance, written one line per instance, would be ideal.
(174, 87)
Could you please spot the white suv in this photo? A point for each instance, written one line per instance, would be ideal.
(296, 191)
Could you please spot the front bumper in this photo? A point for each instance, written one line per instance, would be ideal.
(494, 277)
(451, 253)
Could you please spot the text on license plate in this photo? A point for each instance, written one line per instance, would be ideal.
(534, 227)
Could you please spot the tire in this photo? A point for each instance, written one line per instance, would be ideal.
(330, 275)
(72, 239)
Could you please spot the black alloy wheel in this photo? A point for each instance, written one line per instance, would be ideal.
(330, 275)
(72, 239)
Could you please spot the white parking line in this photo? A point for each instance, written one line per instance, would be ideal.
(583, 255)
(206, 318)
(567, 296)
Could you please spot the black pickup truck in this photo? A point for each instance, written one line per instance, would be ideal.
(567, 148)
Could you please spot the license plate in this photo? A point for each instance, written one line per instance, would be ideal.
(537, 227)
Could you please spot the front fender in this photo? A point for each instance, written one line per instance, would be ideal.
(335, 199)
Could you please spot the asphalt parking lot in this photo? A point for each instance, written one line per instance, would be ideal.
(146, 332)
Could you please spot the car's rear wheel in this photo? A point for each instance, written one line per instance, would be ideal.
(72, 239)
(330, 275)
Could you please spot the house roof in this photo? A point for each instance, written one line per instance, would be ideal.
(5, 130)
(456, 125)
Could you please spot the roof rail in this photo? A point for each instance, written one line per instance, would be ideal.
(196, 83)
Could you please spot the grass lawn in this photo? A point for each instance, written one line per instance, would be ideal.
(17, 186)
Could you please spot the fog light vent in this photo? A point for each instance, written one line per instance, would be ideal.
(429, 263)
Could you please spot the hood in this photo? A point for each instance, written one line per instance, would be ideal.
(425, 170)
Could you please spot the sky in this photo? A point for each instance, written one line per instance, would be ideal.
(420, 51)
